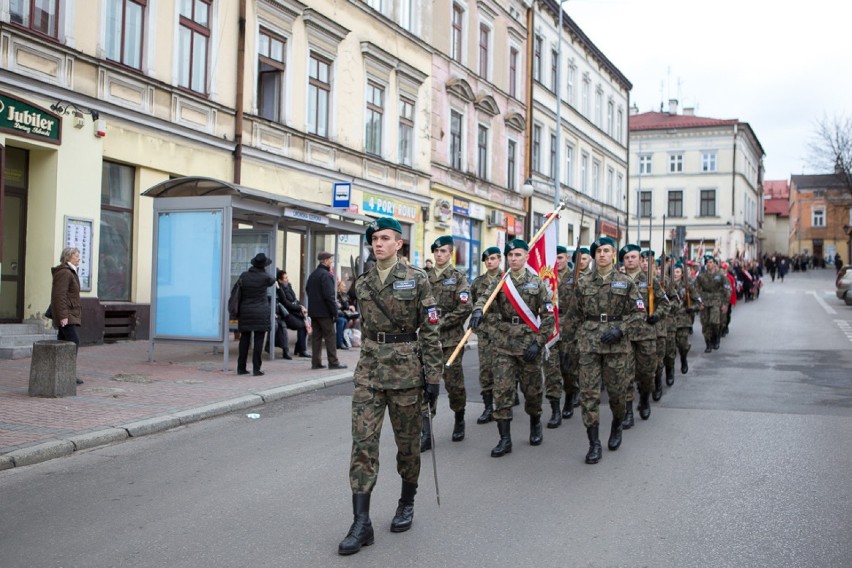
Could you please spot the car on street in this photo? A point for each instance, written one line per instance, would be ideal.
(844, 284)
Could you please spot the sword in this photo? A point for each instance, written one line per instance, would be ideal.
(434, 459)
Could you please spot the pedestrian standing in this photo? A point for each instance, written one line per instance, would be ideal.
(65, 306)
(401, 347)
(254, 313)
(493, 258)
(322, 309)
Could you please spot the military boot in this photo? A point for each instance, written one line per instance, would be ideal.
(504, 446)
(568, 407)
(627, 424)
(405, 510)
(644, 406)
(716, 340)
(594, 454)
(614, 436)
(426, 436)
(458, 429)
(709, 345)
(361, 532)
(535, 430)
(487, 414)
(658, 385)
(670, 375)
(556, 415)
(684, 365)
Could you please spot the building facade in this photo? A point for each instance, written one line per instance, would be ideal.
(820, 216)
(776, 217)
(703, 175)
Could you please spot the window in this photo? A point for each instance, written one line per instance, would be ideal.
(124, 31)
(375, 4)
(513, 72)
(587, 93)
(270, 75)
(406, 14)
(599, 109)
(572, 76)
(193, 39)
(584, 173)
(484, 38)
(676, 164)
(482, 152)
(675, 204)
(467, 235)
(708, 203)
(406, 131)
(375, 114)
(708, 162)
(41, 16)
(554, 71)
(455, 140)
(619, 125)
(553, 160)
(512, 167)
(645, 209)
(610, 186)
(319, 92)
(818, 217)
(596, 179)
(536, 148)
(115, 248)
(645, 165)
(610, 117)
(539, 41)
(569, 165)
(619, 189)
(456, 33)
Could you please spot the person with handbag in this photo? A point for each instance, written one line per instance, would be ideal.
(296, 313)
(65, 306)
(253, 312)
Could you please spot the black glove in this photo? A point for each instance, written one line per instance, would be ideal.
(652, 319)
(531, 353)
(565, 362)
(475, 318)
(610, 336)
(430, 392)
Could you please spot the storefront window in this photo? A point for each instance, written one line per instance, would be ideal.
(466, 240)
(116, 239)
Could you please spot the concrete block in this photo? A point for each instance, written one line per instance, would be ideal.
(41, 452)
(99, 438)
(53, 369)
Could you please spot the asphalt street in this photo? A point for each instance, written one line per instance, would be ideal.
(746, 461)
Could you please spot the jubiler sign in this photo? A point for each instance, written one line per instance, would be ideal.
(18, 117)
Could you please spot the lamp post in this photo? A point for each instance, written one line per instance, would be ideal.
(558, 90)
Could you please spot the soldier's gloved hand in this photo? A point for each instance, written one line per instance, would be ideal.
(610, 336)
(565, 362)
(430, 392)
(652, 319)
(531, 353)
(475, 318)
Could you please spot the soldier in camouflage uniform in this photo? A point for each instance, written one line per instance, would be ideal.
(492, 257)
(607, 306)
(675, 306)
(690, 300)
(518, 347)
(552, 366)
(661, 310)
(401, 346)
(571, 378)
(713, 286)
(452, 293)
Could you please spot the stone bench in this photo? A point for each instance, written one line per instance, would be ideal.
(53, 369)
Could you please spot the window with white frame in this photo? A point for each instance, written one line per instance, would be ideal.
(708, 162)
(707, 203)
(554, 71)
(610, 186)
(406, 131)
(270, 74)
(619, 126)
(675, 208)
(596, 179)
(619, 188)
(676, 163)
(484, 50)
(375, 4)
(319, 94)
(587, 94)
(457, 33)
(569, 165)
(536, 148)
(456, 125)
(610, 117)
(584, 173)
(818, 217)
(406, 14)
(512, 165)
(482, 152)
(599, 109)
(41, 16)
(645, 204)
(193, 41)
(572, 79)
(374, 118)
(645, 164)
(125, 28)
(538, 46)
(514, 56)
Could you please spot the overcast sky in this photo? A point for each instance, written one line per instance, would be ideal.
(778, 66)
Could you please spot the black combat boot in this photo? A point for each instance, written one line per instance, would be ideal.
(709, 345)
(575, 399)
(716, 340)
(670, 375)
(556, 415)
(614, 435)
(535, 430)
(684, 365)
(504, 446)
(568, 407)
(458, 429)
(487, 414)
(594, 455)
(426, 436)
(644, 406)
(627, 424)
(405, 510)
(658, 385)
(361, 532)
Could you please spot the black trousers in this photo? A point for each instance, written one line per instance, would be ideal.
(324, 329)
(245, 339)
(69, 333)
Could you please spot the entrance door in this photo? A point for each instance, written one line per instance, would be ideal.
(14, 235)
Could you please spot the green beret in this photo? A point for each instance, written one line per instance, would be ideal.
(708, 258)
(601, 241)
(489, 251)
(582, 250)
(380, 224)
(561, 250)
(646, 253)
(441, 241)
(515, 244)
(679, 264)
(629, 247)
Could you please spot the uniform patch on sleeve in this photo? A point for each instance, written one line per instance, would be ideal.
(642, 284)
(549, 307)
(404, 285)
(531, 286)
(450, 282)
(432, 315)
(464, 297)
(619, 284)
(640, 305)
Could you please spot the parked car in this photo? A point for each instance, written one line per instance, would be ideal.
(844, 284)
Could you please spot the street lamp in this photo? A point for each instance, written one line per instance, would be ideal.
(526, 192)
(527, 189)
(558, 90)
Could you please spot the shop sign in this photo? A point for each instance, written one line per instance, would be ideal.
(477, 211)
(461, 207)
(384, 206)
(24, 119)
(305, 216)
(609, 229)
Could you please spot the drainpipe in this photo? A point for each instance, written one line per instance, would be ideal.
(238, 118)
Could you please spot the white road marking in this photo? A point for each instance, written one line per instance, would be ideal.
(828, 309)
(845, 327)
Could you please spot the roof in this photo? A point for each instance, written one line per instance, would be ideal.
(777, 206)
(666, 121)
(776, 189)
(818, 181)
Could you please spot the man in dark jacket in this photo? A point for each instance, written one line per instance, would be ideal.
(254, 312)
(322, 308)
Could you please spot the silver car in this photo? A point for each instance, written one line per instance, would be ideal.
(844, 283)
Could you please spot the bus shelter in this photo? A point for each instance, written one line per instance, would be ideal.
(206, 231)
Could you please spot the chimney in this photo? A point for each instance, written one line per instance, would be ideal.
(688, 111)
(672, 107)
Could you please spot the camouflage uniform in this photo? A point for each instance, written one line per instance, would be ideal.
(484, 333)
(452, 294)
(683, 318)
(643, 336)
(675, 308)
(713, 288)
(565, 379)
(390, 371)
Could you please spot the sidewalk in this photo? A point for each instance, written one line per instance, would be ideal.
(126, 396)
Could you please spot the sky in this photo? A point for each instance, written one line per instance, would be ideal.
(781, 67)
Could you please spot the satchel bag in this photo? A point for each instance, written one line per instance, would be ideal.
(234, 301)
(48, 313)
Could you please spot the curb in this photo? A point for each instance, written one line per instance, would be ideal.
(119, 433)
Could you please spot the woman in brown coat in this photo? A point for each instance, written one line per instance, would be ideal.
(65, 297)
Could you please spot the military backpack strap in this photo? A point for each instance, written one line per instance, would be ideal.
(374, 294)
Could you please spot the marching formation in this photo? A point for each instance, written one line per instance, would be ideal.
(600, 318)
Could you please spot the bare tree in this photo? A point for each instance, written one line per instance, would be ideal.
(831, 147)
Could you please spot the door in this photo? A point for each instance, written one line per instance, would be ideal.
(14, 213)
